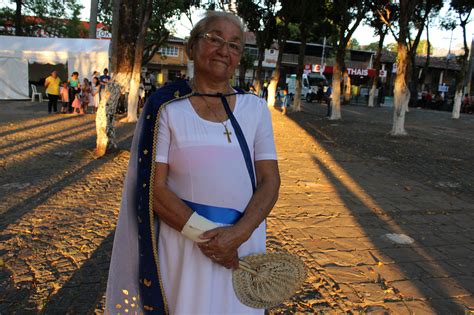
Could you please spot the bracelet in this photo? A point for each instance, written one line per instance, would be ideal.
(196, 226)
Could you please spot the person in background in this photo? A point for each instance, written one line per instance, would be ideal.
(320, 93)
(265, 89)
(278, 95)
(52, 89)
(64, 97)
(95, 74)
(252, 90)
(147, 84)
(285, 100)
(94, 95)
(104, 79)
(141, 93)
(85, 95)
(74, 88)
(328, 98)
(153, 82)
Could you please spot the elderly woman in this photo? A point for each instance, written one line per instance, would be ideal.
(202, 178)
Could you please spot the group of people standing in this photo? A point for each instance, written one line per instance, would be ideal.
(75, 97)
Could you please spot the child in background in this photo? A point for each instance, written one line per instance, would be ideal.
(94, 95)
(64, 97)
(74, 88)
(76, 105)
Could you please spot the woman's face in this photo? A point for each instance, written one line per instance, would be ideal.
(215, 61)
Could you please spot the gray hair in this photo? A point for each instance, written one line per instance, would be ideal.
(203, 25)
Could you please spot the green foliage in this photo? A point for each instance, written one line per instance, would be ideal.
(260, 18)
(463, 7)
(457, 15)
(294, 32)
(104, 12)
(354, 44)
(422, 48)
(56, 18)
(247, 60)
(7, 17)
(163, 14)
(372, 46)
(345, 16)
(393, 47)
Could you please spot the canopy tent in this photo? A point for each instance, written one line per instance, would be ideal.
(16, 53)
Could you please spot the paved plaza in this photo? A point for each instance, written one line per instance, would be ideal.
(384, 224)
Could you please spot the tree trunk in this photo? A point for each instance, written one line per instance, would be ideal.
(93, 19)
(18, 19)
(122, 63)
(336, 83)
(105, 116)
(137, 64)
(272, 86)
(461, 77)
(257, 83)
(422, 77)
(401, 92)
(373, 89)
(300, 68)
(457, 103)
(411, 69)
(336, 93)
(347, 87)
(376, 79)
(115, 35)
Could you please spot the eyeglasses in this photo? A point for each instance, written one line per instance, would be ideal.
(217, 41)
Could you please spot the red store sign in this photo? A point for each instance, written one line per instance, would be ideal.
(354, 71)
(351, 71)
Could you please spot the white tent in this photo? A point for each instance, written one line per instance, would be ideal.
(16, 53)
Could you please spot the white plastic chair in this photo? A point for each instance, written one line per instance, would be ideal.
(35, 92)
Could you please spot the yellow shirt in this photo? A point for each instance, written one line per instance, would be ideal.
(53, 87)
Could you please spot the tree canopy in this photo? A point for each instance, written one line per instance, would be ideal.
(53, 18)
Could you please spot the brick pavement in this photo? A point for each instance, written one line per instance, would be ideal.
(59, 208)
(335, 207)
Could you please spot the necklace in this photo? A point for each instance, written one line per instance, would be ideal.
(226, 132)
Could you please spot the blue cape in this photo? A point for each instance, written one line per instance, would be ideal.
(150, 284)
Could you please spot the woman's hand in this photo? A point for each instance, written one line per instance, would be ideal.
(223, 245)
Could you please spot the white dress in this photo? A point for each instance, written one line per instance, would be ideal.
(204, 168)
(94, 99)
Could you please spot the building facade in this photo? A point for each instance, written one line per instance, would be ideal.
(170, 62)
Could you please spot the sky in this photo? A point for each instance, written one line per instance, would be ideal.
(440, 39)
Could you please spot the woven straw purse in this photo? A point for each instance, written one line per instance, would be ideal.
(266, 280)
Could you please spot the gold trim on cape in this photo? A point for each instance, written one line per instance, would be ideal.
(150, 201)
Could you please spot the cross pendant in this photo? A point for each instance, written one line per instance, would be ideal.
(227, 133)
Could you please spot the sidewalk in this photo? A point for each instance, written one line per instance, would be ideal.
(343, 192)
(345, 186)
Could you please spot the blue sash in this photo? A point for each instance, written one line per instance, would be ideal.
(215, 214)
